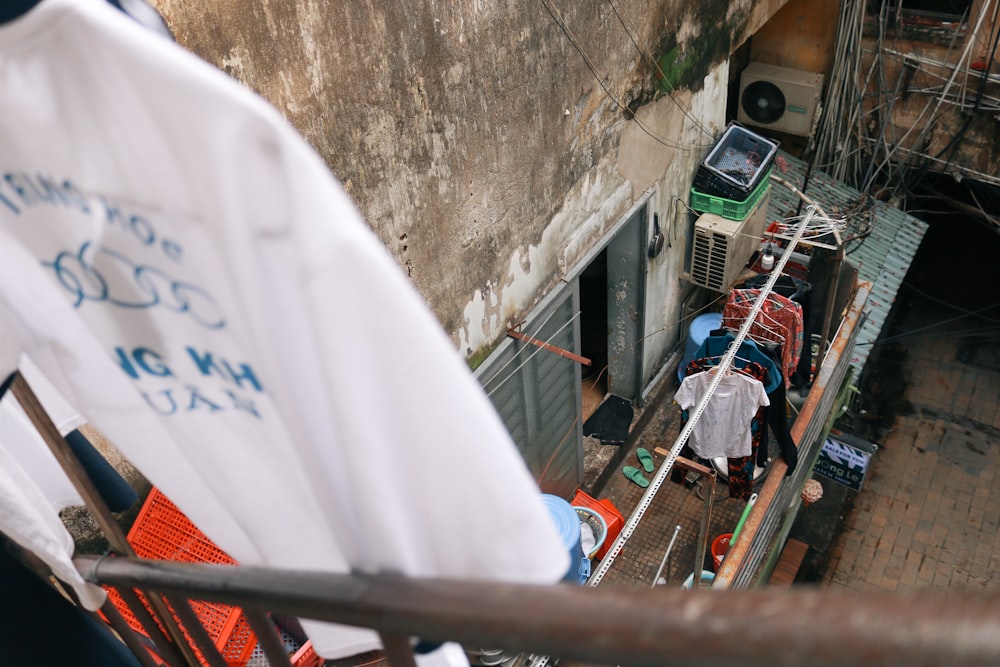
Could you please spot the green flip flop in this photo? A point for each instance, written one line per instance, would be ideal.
(635, 475)
(645, 458)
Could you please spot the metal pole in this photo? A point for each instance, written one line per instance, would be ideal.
(838, 262)
(91, 496)
(634, 626)
(397, 650)
(164, 647)
(268, 638)
(71, 465)
(706, 518)
(197, 632)
(666, 555)
(127, 634)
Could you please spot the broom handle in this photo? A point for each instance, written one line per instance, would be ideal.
(743, 518)
(665, 557)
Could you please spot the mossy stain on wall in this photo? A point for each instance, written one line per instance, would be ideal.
(706, 42)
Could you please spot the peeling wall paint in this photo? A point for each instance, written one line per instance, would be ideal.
(692, 121)
(602, 200)
(490, 145)
(590, 209)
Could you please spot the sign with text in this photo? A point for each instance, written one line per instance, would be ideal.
(843, 462)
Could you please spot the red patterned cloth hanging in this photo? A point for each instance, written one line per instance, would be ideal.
(779, 320)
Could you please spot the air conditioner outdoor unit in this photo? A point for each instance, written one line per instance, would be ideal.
(722, 246)
(779, 98)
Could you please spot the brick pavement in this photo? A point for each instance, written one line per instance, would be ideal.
(927, 517)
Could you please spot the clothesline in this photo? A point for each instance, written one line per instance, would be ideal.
(699, 409)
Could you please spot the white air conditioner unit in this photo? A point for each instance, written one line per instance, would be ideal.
(779, 98)
(722, 246)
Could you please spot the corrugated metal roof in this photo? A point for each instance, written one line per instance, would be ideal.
(882, 258)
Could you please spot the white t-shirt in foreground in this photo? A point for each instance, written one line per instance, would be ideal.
(190, 276)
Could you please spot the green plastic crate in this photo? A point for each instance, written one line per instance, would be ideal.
(727, 208)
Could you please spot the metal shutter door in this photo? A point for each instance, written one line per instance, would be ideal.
(537, 394)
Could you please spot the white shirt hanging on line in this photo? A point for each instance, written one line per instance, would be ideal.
(33, 486)
(724, 426)
(26, 445)
(30, 521)
(189, 275)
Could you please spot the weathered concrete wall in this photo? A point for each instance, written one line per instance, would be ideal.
(490, 143)
(800, 36)
(941, 105)
(693, 120)
(928, 107)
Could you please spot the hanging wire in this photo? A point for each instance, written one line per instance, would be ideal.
(949, 304)
(843, 103)
(857, 141)
(557, 449)
(931, 113)
(906, 183)
(907, 334)
(677, 200)
(956, 139)
(663, 77)
(817, 226)
(496, 385)
(983, 332)
(602, 81)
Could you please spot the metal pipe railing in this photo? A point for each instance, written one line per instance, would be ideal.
(637, 626)
(173, 642)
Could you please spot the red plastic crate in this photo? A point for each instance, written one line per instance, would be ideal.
(306, 657)
(608, 512)
(163, 532)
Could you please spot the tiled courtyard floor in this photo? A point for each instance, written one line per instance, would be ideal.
(929, 513)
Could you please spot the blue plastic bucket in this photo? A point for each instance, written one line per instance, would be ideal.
(699, 330)
(707, 577)
(568, 524)
(595, 523)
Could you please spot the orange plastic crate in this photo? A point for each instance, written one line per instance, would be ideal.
(612, 517)
(306, 657)
(163, 532)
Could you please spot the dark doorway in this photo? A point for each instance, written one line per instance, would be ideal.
(612, 303)
(594, 332)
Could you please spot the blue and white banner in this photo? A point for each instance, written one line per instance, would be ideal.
(843, 463)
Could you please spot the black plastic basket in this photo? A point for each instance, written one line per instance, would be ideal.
(736, 165)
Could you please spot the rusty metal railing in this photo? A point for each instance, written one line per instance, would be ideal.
(659, 627)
